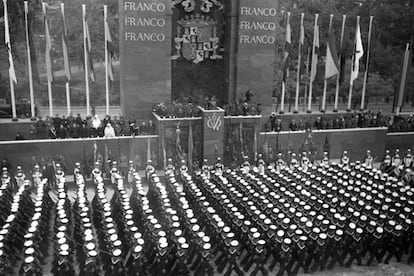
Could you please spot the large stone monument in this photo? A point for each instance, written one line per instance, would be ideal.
(145, 49)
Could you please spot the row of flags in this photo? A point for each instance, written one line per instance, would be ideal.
(333, 62)
(109, 52)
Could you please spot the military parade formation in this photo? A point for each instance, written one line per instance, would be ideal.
(284, 218)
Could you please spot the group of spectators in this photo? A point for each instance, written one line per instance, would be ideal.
(61, 127)
(402, 124)
(353, 120)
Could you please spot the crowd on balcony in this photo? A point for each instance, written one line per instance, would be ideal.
(62, 127)
(341, 121)
(402, 124)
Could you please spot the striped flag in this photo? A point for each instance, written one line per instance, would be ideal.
(65, 46)
(315, 53)
(88, 51)
(48, 56)
(332, 62)
(286, 54)
(358, 53)
(12, 72)
(110, 53)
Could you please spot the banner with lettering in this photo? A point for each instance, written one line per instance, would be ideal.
(145, 49)
(256, 49)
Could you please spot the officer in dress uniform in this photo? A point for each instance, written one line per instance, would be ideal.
(325, 159)
(205, 168)
(113, 171)
(368, 161)
(408, 159)
(149, 170)
(37, 175)
(19, 177)
(131, 172)
(183, 168)
(219, 166)
(245, 166)
(77, 170)
(280, 163)
(293, 161)
(345, 159)
(304, 162)
(59, 174)
(261, 164)
(169, 169)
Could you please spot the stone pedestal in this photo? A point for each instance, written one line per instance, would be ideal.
(213, 134)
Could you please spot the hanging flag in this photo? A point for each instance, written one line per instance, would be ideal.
(110, 53)
(190, 147)
(332, 63)
(65, 47)
(88, 51)
(286, 54)
(403, 81)
(48, 53)
(302, 47)
(315, 53)
(358, 53)
(12, 72)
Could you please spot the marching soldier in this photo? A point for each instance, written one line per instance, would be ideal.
(245, 166)
(408, 159)
(368, 161)
(219, 166)
(304, 162)
(131, 172)
(149, 171)
(261, 164)
(169, 169)
(206, 168)
(183, 168)
(19, 178)
(345, 159)
(37, 175)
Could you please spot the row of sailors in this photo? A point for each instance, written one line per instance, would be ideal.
(111, 251)
(397, 227)
(171, 263)
(130, 235)
(83, 234)
(6, 196)
(155, 252)
(225, 243)
(36, 238)
(254, 241)
(200, 243)
(64, 246)
(13, 230)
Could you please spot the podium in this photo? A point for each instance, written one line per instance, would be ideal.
(213, 134)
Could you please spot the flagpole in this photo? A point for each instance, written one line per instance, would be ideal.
(282, 101)
(29, 61)
(338, 77)
(313, 56)
(403, 79)
(307, 74)
(364, 86)
(49, 83)
(85, 53)
(106, 62)
(325, 81)
(68, 107)
(11, 65)
(302, 15)
(351, 83)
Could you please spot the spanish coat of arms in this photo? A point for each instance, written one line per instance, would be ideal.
(197, 37)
